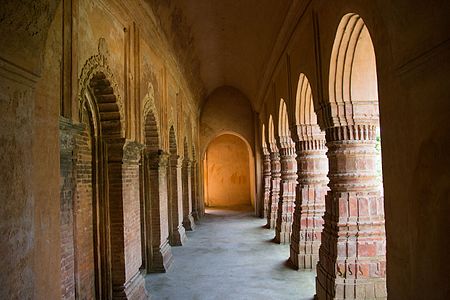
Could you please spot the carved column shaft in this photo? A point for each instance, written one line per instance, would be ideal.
(312, 168)
(352, 255)
(288, 184)
(267, 179)
(275, 166)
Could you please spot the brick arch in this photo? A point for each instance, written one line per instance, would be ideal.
(271, 135)
(106, 106)
(284, 139)
(151, 133)
(186, 148)
(173, 149)
(353, 88)
(306, 125)
(100, 113)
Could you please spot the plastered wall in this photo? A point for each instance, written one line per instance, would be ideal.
(227, 181)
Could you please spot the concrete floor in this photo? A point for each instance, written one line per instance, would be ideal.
(231, 256)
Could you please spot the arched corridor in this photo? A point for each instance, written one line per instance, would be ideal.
(216, 149)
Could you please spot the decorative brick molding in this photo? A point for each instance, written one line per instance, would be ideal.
(352, 262)
(288, 184)
(312, 169)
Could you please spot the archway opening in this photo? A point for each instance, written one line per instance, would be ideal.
(229, 172)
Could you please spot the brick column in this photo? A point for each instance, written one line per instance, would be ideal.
(288, 184)
(188, 220)
(67, 134)
(275, 169)
(126, 221)
(177, 234)
(312, 169)
(194, 187)
(266, 181)
(352, 257)
(159, 254)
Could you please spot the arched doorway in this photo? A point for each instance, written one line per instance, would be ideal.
(229, 172)
(98, 189)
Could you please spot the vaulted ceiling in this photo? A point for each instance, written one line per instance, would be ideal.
(222, 42)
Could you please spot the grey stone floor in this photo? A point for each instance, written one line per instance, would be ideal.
(231, 256)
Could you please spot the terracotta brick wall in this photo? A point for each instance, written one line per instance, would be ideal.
(83, 220)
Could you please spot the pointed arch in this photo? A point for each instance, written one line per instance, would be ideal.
(353, 88)
(283, 122)
(304, 106)
(101, 153)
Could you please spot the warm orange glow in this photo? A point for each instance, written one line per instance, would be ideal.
(227, 166)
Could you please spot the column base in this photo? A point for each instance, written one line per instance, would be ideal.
(273, 224)
(178, 237)
(162, 259)
(195, 215)
(328, 287)
(283, 237)
(134, 289)
(188, 223)
(304, 261)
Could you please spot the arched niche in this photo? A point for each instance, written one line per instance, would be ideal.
(229, 171)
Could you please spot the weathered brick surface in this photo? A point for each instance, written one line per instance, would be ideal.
(352, 260)
(67, 144)
(83, 217)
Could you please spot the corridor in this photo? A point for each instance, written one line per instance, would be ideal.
(231, 256)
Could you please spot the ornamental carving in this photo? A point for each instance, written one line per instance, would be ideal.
(98, 63)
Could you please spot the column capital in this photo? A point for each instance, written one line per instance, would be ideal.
(157, 159)
(132, 151)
